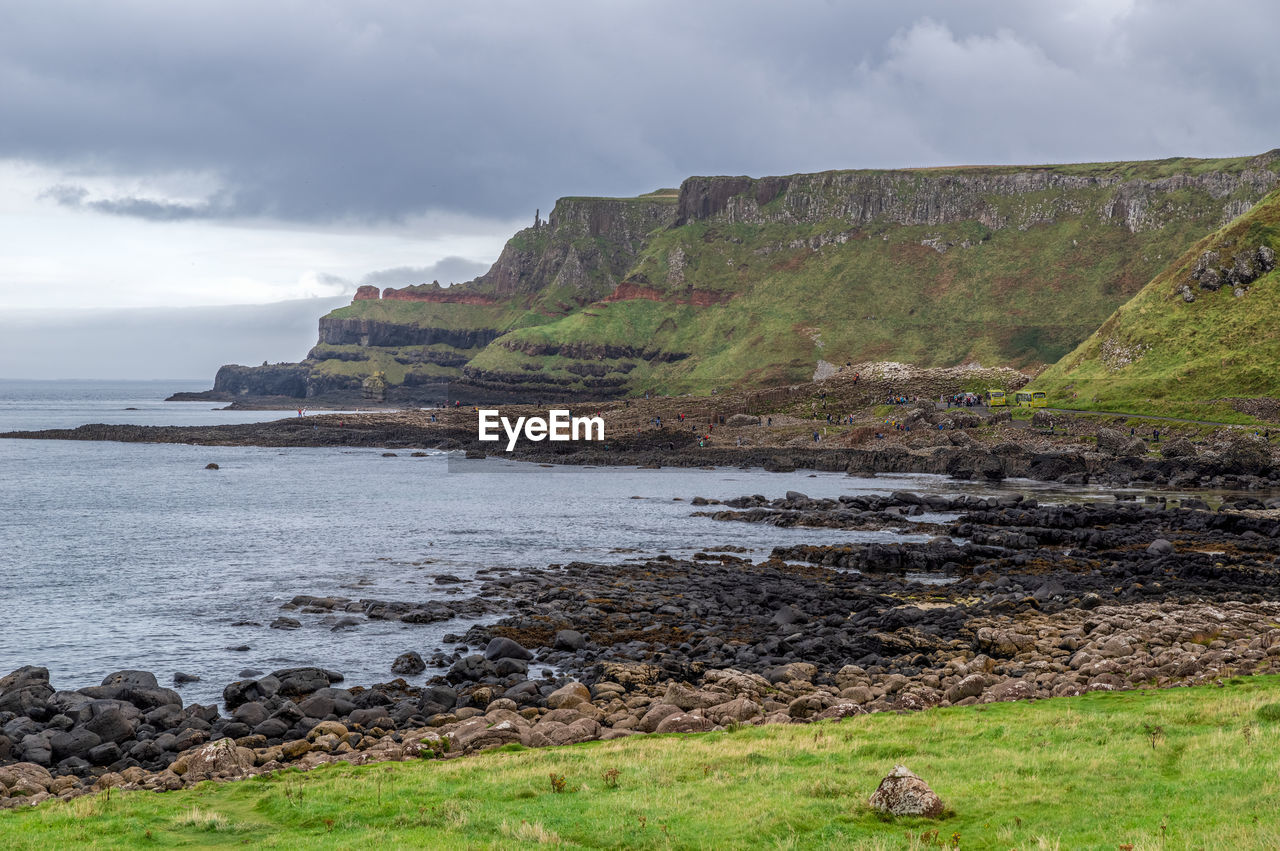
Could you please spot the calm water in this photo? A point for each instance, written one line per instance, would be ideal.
(117, 555)
(29, 405)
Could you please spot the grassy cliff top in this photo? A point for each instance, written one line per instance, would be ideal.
(1120, 170)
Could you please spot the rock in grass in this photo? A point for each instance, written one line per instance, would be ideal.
(902, 793)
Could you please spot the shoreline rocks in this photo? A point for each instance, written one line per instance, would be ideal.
(1013, 600)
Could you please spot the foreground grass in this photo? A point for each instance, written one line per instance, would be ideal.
(1184, 768)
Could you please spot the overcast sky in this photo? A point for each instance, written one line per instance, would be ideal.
(211, 153)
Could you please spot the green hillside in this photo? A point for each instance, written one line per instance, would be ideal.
(1199, 340)
(737, 281)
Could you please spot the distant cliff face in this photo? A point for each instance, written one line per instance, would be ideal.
(737, 280)
(584, 248)
(995, 198)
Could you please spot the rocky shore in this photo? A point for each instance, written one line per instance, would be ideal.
(951, 442)
(1009, 600)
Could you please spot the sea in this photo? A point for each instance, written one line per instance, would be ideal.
(121, 556)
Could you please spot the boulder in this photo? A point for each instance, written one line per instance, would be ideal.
(802, 671)
(1010, 690)
(110, 723)
(1042, 419)
(408, 664)
(569, 639)
(837, 711)
(504, 648)
(738, 710)
(902, 793)
(684, 722)
(1112, 441)
(1160, 547)
(222, 757)
(686, 698)
(970, 686)
(569, 696)
(1179, 447)
(25, 690)
(582, 730)
(655, 715)
(295, 682)
(1003, 642)
(733, 681)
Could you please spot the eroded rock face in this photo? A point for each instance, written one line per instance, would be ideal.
(902, 793)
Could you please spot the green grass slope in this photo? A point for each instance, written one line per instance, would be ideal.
(1181, 768)
(1160, 353)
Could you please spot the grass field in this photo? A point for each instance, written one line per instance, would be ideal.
(1182, 768)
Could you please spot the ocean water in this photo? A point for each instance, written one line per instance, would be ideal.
(29, 405)
(122, 555)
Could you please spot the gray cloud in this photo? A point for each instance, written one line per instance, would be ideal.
(380, 112)
(76, 197)
(123, 343)
(446, 270)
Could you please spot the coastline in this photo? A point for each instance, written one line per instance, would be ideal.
(1010, 600)
(1071, 450)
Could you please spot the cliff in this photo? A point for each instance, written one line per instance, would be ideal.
(756, 281)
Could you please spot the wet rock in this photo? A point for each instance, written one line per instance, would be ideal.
(283, 622)
(569, 639)
(408, 664)
(302, 681)
(24, 692)
(505, 648)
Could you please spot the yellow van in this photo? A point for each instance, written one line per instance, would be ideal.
(997, 399)
(1036, 399)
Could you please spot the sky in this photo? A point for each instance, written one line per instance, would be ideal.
(158, 155)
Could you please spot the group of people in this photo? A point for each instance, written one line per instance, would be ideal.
(963, 400)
